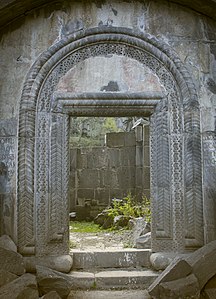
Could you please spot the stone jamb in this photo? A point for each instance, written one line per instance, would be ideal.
(48, 145)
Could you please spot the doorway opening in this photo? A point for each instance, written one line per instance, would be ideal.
(109, 162)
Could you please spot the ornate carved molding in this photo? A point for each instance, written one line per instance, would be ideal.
(36, 120)
(108, 103)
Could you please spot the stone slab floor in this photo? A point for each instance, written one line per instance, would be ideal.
(125, 294)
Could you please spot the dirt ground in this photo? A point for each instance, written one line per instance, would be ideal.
(101, 240)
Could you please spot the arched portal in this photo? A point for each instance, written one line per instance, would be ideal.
(43, 172)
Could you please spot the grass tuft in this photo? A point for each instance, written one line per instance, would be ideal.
(85, 227)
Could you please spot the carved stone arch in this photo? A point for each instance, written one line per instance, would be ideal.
(43, 144)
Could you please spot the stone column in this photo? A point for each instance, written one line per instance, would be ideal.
(209, 184)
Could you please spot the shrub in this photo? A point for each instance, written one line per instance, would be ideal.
(128, 207)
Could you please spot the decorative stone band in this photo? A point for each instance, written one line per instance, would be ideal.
(107, 104)
(43, 140)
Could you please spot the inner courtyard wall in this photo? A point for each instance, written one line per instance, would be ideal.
(191, 35)
(100, 174)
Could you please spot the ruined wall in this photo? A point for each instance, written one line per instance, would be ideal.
(191, 35)
(99, 174)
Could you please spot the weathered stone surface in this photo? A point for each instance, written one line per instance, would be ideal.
(7, 243)
(6, 277)
(160, 260)
(82, 280)
(184, 288)
(209, 293)
(124, 258)
(50, 280)
(139, 279)
(178, 269)
(8, 127)
(24, 287)
(203, 263)
(104, 220)
(111, 294)
(211, 284)
(144, 241)
(139, 227)
(11, 261)
(16, 59)
(120, 221)
(51, 295)
(61, 263)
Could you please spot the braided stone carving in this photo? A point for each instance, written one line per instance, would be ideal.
(43, 144)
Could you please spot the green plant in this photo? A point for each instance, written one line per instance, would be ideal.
(72, 244)
(146, 208)
(128, 207)
(94, 285)
(84, 227)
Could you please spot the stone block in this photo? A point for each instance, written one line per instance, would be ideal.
(209, 293)
(72, 179)
(202, 259)
(81, 159)
(139, 177)
(6, 277)
(7, 243)
(114, 158)
(129, 139)
(72, 195)
(88, 178)
(210, 289)
(120, 294)
(178, 269)
(115, 139)
(51, 295)
(82, 280)
(50, 280)
(146, 136)
(127, 156)
(102, 195)
(111, 259)
(139, 134)
(116, 193)
(126, 177)
(123, 279)
(22, 287)
(104, 178)
(146, 156)
(11, 261)
(139, 156)
(8, 127)
(146, 192)
(85, 193)
(62, 263)
(113, 179)
(73, 158)
(144, 241)
(184, 288)
(97, 158)
(188, 26)
(211, 284)
(123, 258)
(146, 177)
(82, 213)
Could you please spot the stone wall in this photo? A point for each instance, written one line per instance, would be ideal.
(191, 35)
(99, 174)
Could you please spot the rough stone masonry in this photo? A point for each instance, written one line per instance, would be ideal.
(57, 61)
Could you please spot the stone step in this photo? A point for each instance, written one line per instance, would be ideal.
(113, 279)
(123, 258)
(123, 294)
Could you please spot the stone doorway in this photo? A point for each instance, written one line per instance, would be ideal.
(109, 159)
(43, 171)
